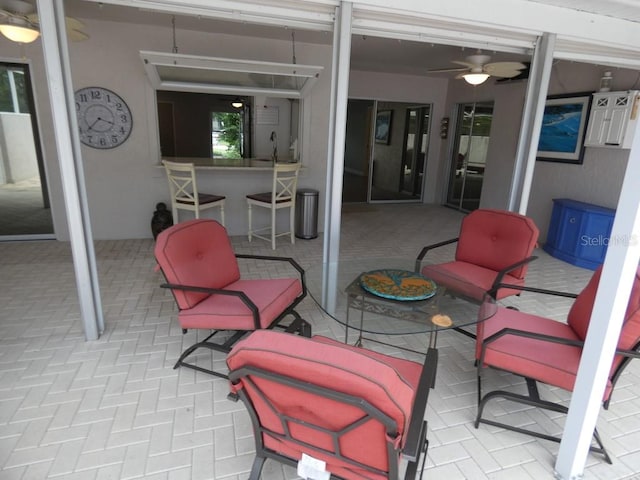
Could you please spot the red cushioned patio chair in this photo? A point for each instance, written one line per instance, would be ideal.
(360, 412)
(203, 274)
(544, 350)
(494, 247)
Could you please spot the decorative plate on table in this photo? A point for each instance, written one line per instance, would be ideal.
(398, 284)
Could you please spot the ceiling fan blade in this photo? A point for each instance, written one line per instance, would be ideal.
(465, 64)
(77, 35)
(497, 67)
(507, 74)
(74, 27)
(73, 23)
(445, 70)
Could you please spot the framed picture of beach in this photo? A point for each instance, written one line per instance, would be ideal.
(564, 123)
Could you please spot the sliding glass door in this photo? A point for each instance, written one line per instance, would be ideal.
(24, 199)
(401, 142)
(473, 127)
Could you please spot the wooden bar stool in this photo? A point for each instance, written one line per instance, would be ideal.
(282, 195)
(184, 191)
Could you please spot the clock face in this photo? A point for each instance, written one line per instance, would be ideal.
(104, 118)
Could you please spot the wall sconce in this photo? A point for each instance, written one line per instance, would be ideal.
(444, 127)
(475, 78)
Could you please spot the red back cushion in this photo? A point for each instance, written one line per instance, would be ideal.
(495, 239)
(332, 366)
(580, 313)
(196, 253)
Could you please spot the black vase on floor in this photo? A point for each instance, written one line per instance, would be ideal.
(161, 220)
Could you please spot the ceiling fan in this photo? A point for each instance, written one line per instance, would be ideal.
(19, 22)
(476, 69)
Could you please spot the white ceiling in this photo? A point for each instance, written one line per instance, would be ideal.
(625, 9)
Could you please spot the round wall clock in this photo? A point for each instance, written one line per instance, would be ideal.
(104, 117)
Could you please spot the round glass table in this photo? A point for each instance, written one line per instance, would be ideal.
(384, 296)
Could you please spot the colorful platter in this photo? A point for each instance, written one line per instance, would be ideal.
(398, 284)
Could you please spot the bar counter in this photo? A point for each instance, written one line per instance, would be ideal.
(227, 163)
(233, 178)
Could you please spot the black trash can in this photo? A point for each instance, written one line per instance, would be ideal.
(306, 213)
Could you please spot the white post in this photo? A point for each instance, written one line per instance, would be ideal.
(618, 272)
(56, 53)
(529, 136)
(337, 130)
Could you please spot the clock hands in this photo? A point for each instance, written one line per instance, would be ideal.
(100, 119)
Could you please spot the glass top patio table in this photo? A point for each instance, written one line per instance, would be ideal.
(337, 289)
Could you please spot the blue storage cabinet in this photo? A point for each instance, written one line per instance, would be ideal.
(579, 232)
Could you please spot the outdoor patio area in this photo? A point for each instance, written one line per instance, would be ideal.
(116, 409)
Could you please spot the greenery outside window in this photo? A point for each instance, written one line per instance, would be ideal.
(227, 135)
(13, 97)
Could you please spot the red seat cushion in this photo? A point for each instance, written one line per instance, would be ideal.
(469, 280)
(495, 239)
(387, 383)
(224, 312)
(196, 253)
(548, 362)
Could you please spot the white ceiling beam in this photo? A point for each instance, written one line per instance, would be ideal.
(514, 17)
(299, 14)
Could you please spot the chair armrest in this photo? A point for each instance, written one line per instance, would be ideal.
(291, 261)
(415, 431)
(493, 291)
(424, 251)
(234, 293)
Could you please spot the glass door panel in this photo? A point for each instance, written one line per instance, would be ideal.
(473, 127)
(401, 140)
(24, 199)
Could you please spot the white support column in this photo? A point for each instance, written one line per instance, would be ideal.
(618, 272)
(56, 56)
(531, 123)
(337, 130)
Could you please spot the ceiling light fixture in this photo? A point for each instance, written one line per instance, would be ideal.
(237, 103)
(18, 30)
(475, 78)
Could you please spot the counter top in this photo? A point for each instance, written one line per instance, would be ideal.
(226, 163)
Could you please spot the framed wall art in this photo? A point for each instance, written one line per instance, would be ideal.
(564, 124)
(383, 126)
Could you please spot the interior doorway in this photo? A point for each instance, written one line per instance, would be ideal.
(469, 155)
(24, 198)
(385, 151)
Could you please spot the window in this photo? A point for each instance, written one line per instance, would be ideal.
(13, 97)
(201, 125)
(227, 135)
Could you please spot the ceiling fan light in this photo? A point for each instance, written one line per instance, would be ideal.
(475, 78)
(19, 34)
(237, 103)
